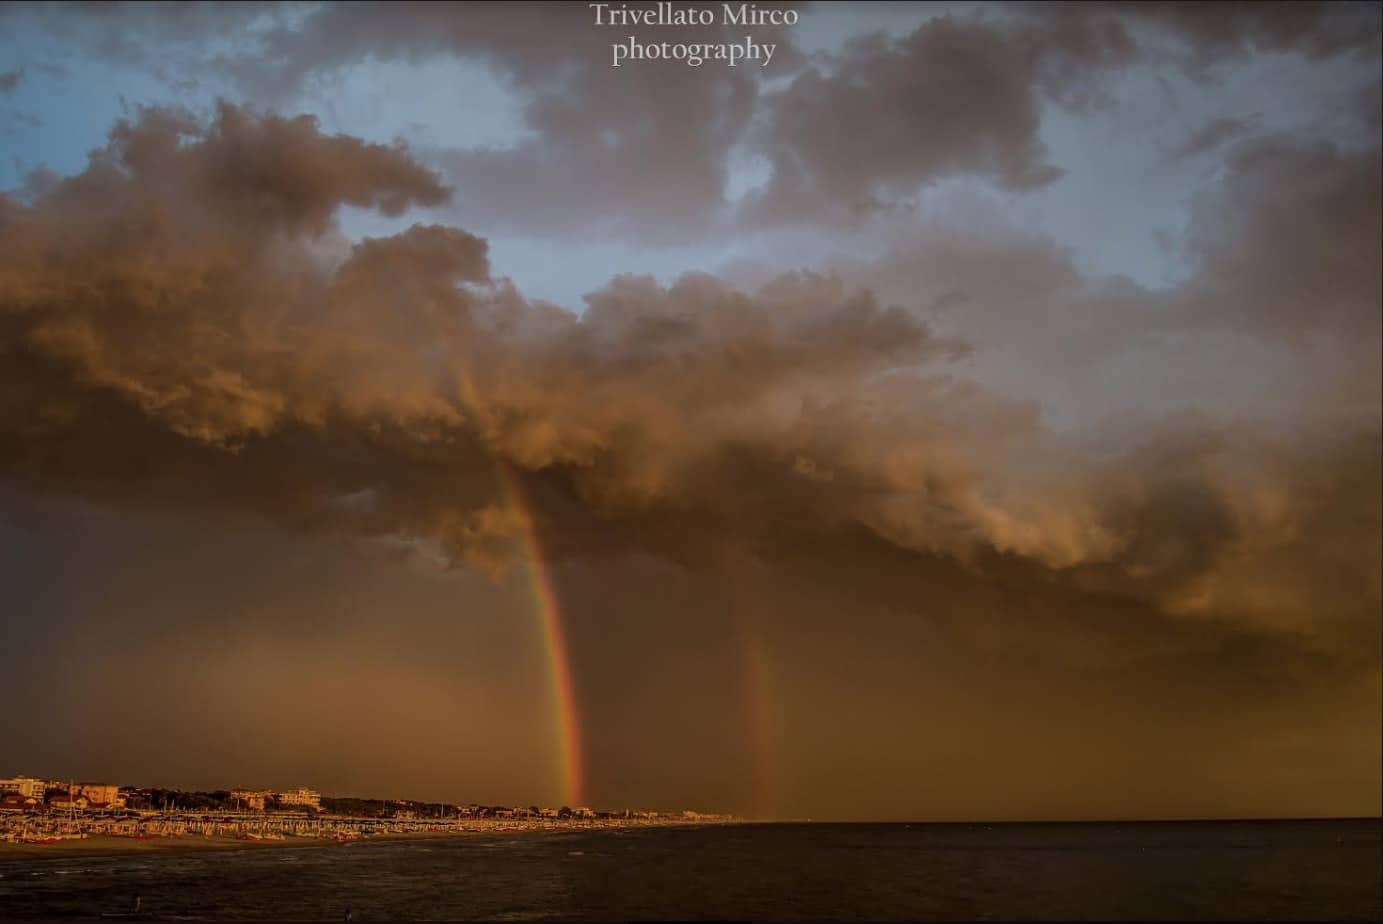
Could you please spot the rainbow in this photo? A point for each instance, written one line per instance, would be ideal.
(758, 683)
(539, 579)
(758, 677)
(566, 718)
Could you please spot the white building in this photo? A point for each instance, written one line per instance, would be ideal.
(254, 799)
(306, 797)
(25, 786)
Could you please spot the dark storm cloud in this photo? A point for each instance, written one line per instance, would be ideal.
(202, 302)
(182, 326)
(1212, 519)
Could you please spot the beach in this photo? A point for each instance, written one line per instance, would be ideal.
(105, 845)
(271, 832)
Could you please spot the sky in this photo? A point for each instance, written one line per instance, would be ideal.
(971, 414)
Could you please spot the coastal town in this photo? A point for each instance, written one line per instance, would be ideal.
(38, 812)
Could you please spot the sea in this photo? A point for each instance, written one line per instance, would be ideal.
(1170, 871)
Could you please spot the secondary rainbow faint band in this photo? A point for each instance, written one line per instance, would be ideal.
(758, 682)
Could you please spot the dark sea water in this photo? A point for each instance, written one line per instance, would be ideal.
(1168, 871)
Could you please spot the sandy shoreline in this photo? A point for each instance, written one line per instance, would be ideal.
(104, 845)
